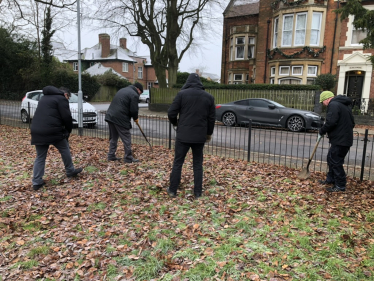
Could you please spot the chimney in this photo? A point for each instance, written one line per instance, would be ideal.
(122, 43)
(104, 40)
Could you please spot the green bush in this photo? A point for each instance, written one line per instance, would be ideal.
(326, 82)
(113, 80)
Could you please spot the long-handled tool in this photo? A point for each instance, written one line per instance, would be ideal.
(137, 123)
(304, 174)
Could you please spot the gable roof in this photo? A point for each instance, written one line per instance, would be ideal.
(237, 8)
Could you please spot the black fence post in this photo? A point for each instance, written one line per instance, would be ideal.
(29, 113)
(364, 154)
(169, 135)
(249, 139)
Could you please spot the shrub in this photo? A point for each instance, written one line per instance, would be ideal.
(113, 80)
(326, 81)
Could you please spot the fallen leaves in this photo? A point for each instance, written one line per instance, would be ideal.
(116, 222)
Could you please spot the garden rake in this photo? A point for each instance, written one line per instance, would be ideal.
(137, 123)
(304, 174)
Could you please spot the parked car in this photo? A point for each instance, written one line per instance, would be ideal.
(267, 112)
(31, 99)
(144, 96)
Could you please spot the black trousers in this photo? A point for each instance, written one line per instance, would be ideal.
(335, 161)
(181, 149)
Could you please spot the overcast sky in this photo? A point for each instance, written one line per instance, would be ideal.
(206, 57)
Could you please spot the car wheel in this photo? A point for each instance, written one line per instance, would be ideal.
(24, 116)
(147, 101)
(229, 119)
(295, 123)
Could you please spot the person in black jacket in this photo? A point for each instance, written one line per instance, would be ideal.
(124, 106)
(195, 126)
(52, 125)
(339, 126)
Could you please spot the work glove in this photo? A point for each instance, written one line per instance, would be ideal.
(175, 128)
(208, 138)
(320, 133)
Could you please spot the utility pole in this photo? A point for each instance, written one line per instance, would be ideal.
(80, 94)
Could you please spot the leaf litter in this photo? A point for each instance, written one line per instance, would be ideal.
(116, 222)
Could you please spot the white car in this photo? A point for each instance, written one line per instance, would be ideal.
(144, 96)
(31, 99)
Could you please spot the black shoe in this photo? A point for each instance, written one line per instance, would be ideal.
(38, 186)
(325, 182)
(335, 188)
(114, 159)
(171, 194)
(75, 172)
(197, 195)
(132, 161)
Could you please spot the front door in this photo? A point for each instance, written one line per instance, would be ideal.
(354, 84)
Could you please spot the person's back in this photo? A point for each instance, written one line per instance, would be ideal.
(339, 121)
(196, 111)
(52, 120)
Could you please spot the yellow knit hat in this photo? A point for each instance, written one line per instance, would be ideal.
(325, 95)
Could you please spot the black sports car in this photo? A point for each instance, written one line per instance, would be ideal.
(267, 112)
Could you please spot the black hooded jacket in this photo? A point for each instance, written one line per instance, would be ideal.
(124, 105)
(52, 120)
(196, 111)
(339, 122)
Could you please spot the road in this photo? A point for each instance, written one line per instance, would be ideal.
(271, 142)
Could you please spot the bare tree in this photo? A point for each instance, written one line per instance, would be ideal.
(167, 27)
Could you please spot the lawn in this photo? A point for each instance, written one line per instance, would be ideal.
(116, 222)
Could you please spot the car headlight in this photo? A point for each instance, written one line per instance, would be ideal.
(312, 115)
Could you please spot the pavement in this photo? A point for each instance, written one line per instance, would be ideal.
(143, 110)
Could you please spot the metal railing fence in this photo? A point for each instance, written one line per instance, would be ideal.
(254, 144)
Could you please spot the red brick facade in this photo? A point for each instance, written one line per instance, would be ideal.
(310, 39)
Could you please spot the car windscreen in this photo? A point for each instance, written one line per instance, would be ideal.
(276, 104)
(73, 98)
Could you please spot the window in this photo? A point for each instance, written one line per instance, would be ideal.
(246, 78)
(300, 29)
(310, 81)
(240, 41)
(140, 72)
(251, 47)
(272, 71)
(287, 30)
(92, 63)
(289, 81)
(231, 49)
(315, 30)
(297, 70)
(275, 36)
(312, 70)
(230, 78)
(242, 102)
(125, 67)
(238, 78)
(358, 35)
(284, 70)
(149, 85)
(271, 80)
(258, 103)
(75, 66)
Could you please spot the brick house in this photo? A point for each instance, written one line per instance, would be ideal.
(291, 42)
(120, 59)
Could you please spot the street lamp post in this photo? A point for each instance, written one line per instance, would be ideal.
(80, 94)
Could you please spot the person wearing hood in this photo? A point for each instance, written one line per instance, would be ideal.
(124, 106)
(193, 113)
(52, 125)
(339, 126)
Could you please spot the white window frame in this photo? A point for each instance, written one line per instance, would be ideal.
(272, 71)
(125, 67)
(290, 30)
(280, 70)
(295, 32)
(230, 78)
(140, 72)
(318, 30)
(315, 70)
(275, 32)
(353, 30)
(236, 80)
(297, 66)
(290, 78)
(252, 46)
(75, 66)
(239, 46)
(231, 49)
(149, 85)
(272, 80)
